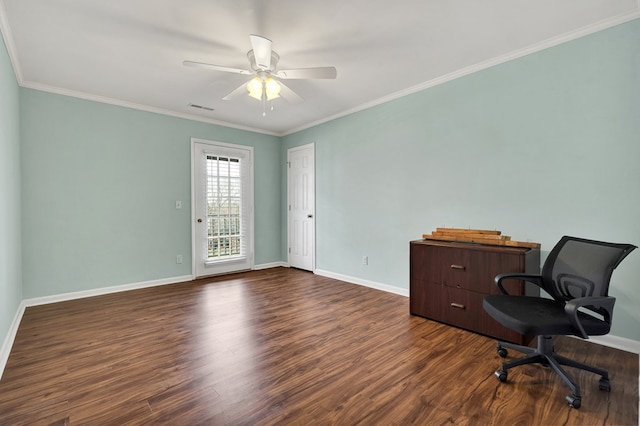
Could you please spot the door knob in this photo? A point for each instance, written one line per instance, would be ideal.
(199, 220)
(309, 216)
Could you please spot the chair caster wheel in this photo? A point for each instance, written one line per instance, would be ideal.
(574, 401)
(604, 384)
(502, 351)
(501, 375)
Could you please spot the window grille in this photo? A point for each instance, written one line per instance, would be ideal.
(224, 208)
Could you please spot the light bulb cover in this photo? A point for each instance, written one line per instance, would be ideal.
(254, 87)
(271, 88)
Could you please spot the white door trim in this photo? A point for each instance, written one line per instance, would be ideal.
(250, 242)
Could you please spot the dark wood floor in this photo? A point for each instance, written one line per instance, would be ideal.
(283, 347)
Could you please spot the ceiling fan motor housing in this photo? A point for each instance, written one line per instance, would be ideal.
(254, 66)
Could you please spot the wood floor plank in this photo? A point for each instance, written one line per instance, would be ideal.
(283, 346)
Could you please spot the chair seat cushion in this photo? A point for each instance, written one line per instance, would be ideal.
(536, 316)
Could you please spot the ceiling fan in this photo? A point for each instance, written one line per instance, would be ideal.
(266, 84)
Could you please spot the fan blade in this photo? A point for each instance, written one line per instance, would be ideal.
(215, 67)
(262, 51)
(303, 73)
(289, 95)
(242, 89)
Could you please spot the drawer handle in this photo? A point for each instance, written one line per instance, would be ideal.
(460, 267)
(457, 305)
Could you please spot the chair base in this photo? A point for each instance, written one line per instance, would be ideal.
(545, 355)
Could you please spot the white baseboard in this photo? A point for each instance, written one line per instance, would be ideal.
(10, 337)
(270, 265)
(104, 290)
(366, 283)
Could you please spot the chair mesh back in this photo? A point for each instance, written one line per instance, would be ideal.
(578, 267)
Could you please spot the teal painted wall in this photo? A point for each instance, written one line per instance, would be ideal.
(539, 147)
(99, 185)
(10, 239)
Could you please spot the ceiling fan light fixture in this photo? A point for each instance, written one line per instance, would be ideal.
(261, 88)
(271, 88)
(254, 87)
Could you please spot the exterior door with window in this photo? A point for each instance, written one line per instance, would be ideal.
(223, 207)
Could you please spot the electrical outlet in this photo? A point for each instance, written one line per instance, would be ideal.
(178, 258)
(178, 204)
(365, 260)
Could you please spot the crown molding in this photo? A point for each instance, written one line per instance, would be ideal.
(146, 108)
(551, 42)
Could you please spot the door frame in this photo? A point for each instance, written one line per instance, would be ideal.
(313, 195)
(251, 237)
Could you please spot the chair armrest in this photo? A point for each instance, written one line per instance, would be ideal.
(535, 279)
(602, 305)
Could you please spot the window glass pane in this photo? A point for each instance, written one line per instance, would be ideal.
(223, 187)
(224, 207)
(235, 245)
(212, 248)
(212, 225)
(234, 188)
(234, 208)
(235, 225)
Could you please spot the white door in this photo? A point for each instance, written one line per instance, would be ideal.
(301, 218)
(222, 194)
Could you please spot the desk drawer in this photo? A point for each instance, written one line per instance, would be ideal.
(460, 308)
(472, 269)
(463, 308)
(450, 305)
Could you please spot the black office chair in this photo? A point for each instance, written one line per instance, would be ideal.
(576, 275)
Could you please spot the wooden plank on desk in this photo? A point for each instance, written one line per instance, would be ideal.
(477, 235)
(462, 238)
(522, 244)
(469, 231)
(488, 241)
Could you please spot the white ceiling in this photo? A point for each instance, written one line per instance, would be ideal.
(130, 52)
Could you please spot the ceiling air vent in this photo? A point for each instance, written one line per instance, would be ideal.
(201, 107)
